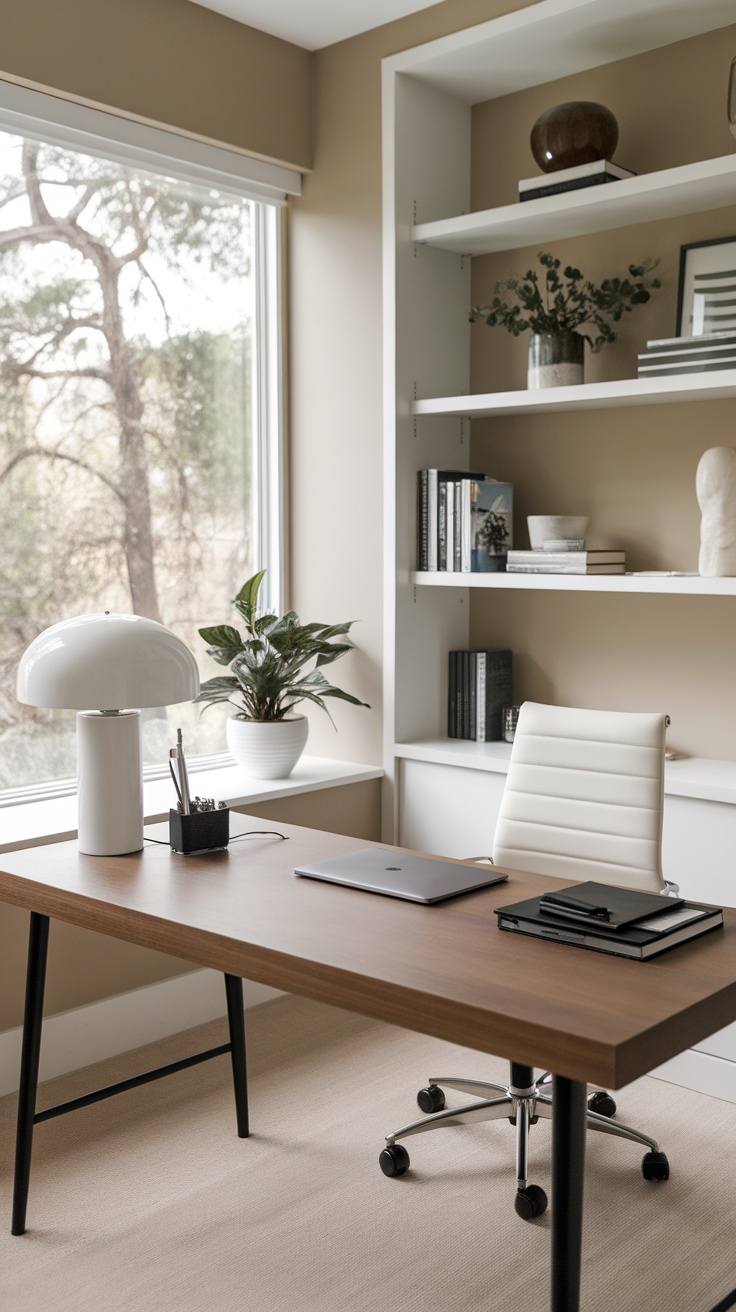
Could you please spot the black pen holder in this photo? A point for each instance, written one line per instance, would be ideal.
(201, 831)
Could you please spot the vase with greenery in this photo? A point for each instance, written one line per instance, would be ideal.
(276, 664)
(562, 310)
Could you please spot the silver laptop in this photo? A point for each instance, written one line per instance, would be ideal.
(399, 874)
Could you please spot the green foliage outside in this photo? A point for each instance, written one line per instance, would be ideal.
(125, 411)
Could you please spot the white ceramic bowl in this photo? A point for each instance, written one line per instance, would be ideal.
(547, 528)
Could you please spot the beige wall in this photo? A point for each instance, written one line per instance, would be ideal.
(336, 369)
(178, 64)
(632, 470)
(169, 61)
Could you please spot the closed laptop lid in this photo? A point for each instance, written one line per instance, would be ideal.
(402, 874)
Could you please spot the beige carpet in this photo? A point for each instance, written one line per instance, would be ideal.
(149, 1201)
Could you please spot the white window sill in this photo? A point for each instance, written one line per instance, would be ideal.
(55, 819)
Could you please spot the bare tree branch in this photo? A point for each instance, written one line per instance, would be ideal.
(158, 293)
(82, 203)
(43, 453)
(88, 372)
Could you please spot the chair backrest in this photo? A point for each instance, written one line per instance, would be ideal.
(584, 796)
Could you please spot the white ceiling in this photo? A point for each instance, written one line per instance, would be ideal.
(315, 23)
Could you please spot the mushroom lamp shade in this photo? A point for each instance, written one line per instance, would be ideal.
(101, 666)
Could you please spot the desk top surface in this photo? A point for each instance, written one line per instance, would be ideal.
(445, 970)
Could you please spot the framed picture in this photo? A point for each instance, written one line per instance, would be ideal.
(706, 295)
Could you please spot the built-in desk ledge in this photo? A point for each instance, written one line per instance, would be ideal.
(688, 776)
(55, 819)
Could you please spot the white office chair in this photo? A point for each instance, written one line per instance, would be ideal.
(584, 798)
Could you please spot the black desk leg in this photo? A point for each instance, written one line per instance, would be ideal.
(236, 1021)
(38, 941)
(568, 1163)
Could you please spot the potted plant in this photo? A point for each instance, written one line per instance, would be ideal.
(558, 308)
(269, 678)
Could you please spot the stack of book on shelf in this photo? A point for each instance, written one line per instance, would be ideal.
(464, 521)
(688, 355)
(594, 561)
(607, 918)
(479, 686)
(582, 175)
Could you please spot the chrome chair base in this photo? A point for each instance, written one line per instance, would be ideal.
(522, 1102)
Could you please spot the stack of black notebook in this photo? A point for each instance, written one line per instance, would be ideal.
(610, 919)
(479, 686)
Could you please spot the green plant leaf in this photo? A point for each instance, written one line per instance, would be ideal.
(276, 665)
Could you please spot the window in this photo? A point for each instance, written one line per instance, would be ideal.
(139, 399)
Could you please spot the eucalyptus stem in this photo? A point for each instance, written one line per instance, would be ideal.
(570, 303)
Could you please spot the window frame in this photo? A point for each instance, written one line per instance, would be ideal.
(130, 142)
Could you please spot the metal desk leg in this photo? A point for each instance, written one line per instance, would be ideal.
(234, 991)
(568, 1162)
(38, 941)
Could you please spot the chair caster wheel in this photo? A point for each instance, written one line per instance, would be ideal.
(431, 1099)
(530, 1202)
(654, 1166)
(602, 1103)
(394, 1160)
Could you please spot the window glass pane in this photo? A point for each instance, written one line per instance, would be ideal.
(128, 458)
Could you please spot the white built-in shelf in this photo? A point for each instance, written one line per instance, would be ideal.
(457, 751)
(689, 776)
(587, 396)
(683, 585)
(706, 185)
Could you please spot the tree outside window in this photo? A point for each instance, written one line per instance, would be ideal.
(126, 427)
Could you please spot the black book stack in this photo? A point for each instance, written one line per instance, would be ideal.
(479, 686)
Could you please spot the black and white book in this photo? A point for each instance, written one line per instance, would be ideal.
(447, 546)
(705, 342)
(650, 367)
(429, 485)
(596, 561)
(593, 174)
(652, 924)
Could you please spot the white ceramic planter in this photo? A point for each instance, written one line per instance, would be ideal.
(267, 749)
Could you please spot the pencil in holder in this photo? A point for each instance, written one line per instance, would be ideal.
(201, 831)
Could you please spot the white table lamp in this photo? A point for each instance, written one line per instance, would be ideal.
(98, 665)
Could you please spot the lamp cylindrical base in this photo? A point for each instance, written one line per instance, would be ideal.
(110, 783)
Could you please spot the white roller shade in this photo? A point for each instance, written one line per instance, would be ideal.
(132, 144)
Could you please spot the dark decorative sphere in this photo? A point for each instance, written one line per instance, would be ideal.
(577, 132)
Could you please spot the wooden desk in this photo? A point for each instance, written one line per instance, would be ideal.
(444, 970)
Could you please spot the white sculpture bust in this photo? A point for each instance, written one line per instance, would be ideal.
(715, 485)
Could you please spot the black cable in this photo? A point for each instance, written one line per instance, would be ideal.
(248, 833)
(233, 838)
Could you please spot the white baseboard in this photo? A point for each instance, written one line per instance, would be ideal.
(77, 1038)
(702, 1072)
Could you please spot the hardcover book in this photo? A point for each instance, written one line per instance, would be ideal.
(661, 923)
(431, 485)
(650, 367)
(598, 172)
(595, 561)
(479, 686)
(488, 521)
